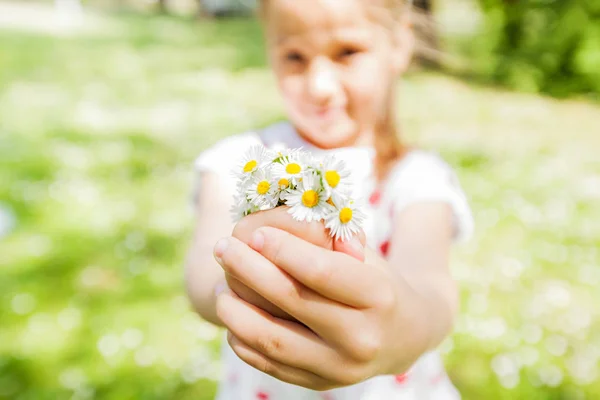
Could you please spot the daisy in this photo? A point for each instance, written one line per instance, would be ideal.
(308, 200)
(336, 178)
(339, 196)
(241, 208)
(344, 220)
(254, 159)
(284, 186)
(285, 153)
(291, 166)
(261, 189)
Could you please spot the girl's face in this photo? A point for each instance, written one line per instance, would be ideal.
(335, 65)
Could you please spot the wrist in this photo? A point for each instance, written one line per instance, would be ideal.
(206, 301)
(417, 327)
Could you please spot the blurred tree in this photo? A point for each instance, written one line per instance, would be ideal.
(162, 6)
(540, 45)
(424, 5)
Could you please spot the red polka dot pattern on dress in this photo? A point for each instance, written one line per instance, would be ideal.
(375, 198)
(262, 396)
(400, 379)
(384, 247)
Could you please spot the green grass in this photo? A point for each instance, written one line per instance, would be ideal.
(97, 138)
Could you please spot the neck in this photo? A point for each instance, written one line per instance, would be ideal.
(366, 139)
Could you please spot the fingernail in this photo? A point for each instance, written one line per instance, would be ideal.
(258, 240)
(219, 249)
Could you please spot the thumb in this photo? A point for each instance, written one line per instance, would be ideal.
(355, 247)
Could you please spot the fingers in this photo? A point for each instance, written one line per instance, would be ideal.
(313, 232)
(276, 369)
(332, 274)
(250, 296)
(278, 287)
(284, 342)
(354, 247)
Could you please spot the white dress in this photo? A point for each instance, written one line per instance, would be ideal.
(419, 177)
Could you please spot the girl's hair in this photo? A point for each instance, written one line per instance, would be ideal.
(388, 146)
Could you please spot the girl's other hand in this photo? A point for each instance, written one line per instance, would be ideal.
(313, 232)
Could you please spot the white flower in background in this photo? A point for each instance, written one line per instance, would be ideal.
(344, 220)
(308, 201)
(336, 179)
(7, 220)
(291, 167)
(261, 189)
(253, 160)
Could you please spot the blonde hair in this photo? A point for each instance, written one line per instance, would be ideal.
(388, 146)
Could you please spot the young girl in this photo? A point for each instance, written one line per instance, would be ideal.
(307, 317)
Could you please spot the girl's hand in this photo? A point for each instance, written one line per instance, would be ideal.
(352, 323)
(314, 233)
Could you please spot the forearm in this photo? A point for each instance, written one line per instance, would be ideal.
(203, 274)
(204, 278)
(426, 293)
(438, 295)
(427, 321)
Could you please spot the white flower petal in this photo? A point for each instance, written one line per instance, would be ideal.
(340, 229)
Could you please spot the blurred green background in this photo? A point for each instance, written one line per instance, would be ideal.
(102, 114)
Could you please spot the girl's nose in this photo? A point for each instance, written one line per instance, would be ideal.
(322, 82)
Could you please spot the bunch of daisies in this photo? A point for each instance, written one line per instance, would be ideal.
(314, 190)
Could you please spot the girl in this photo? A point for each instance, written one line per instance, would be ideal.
(308, 318)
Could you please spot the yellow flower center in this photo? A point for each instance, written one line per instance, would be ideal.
(283, 183)
(330, 201)
(332, 178)
(263, 187)
(293, 168)
(345, 215)
(310, 198)
(250, 165)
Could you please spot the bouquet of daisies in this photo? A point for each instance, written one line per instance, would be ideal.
(315, 190)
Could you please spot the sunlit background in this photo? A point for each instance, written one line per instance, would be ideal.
(105, 104)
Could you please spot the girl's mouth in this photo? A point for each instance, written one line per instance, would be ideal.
(328, 113)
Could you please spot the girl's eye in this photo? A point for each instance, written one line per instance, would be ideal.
(294, 56)
(348, 52)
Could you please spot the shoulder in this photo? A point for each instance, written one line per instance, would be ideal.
(422, 167)
(223, 155)
(232, 148)
(423, 176)
(216, 157)
(215, 163)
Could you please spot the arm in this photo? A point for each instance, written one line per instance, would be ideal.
(202, 273)
(419, 256)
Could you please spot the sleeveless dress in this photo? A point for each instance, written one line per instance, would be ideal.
(419, 177)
